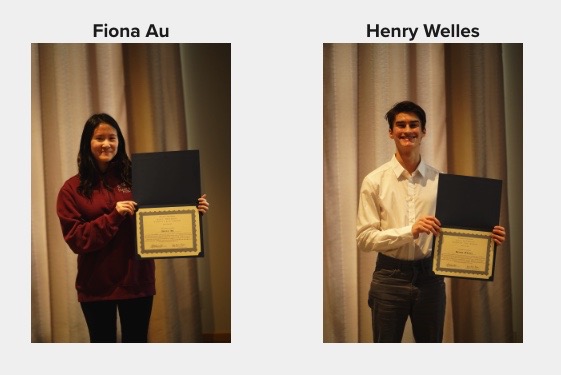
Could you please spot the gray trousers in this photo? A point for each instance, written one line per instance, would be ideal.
(402, 289)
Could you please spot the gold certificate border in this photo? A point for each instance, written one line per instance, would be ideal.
(486, 274)
(191, 211)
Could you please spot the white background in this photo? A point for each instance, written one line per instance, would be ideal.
(277, 182)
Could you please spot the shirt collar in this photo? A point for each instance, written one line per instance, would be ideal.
(399, 170)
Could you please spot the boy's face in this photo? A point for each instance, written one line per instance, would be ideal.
(406, 131)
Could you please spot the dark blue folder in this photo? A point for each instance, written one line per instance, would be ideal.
(468, 202)
(166, 178)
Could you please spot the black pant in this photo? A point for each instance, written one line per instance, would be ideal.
(402, 289)
(134, 315)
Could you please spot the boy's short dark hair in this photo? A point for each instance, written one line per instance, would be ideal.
(409, 107)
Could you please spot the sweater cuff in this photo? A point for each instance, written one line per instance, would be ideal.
(115, 218)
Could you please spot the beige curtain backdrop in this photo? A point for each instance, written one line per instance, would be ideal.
(472, 94)
(165, 97)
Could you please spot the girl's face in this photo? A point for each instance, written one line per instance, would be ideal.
(104, 145)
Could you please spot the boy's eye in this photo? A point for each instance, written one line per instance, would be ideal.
(411, 125)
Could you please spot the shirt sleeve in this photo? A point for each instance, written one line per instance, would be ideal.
(85, 236)
(370, 236)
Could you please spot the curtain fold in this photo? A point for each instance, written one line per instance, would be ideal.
(477, 146)
(339, 179)
(153, 73)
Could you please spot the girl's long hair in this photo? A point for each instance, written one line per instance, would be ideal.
(87, 166)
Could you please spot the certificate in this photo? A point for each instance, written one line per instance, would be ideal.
(464, 253)
(166, 186)
(168, 232)
(468, 208)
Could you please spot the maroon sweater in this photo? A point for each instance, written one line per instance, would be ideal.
(104, 241)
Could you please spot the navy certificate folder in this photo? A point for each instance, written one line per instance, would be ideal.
(468, 202)
(167, 178)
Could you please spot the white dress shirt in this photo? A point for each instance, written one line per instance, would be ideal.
(391, 201)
